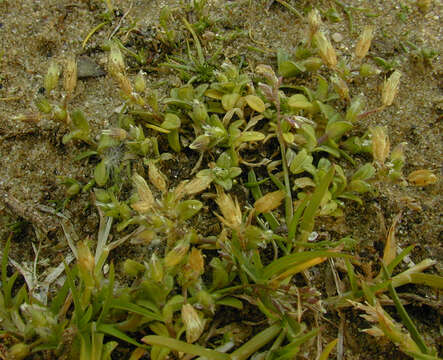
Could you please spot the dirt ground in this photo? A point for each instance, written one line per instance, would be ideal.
(32, 156)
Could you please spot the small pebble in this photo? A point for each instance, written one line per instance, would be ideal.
(87, 68)
(337, 37)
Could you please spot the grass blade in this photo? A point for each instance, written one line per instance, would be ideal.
(327, 350)
(181, 346)
(308, 221)
(285, 262)
(257, 342)
(108, 329)
(405, 317)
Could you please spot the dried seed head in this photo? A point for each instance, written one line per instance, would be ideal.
(124, 84)
(196, 261)
(52, 76)
(194, 266)
(390, 88)
(157, 178)
(380, 144)
(422, 177)
(156, 271)
(364, 42)
(326, 50)
(230, 209)
(70, 76)
(195, 186)
(269, 202)
(145, 195)
(194, 325)
(267, 72)
(176, 255)
(116, 133)
(314, 20)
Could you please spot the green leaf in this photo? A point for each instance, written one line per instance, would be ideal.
(337, 129)
(229, 101)
(247, 136)
(255, 103)
(365, 172)
(230, 301)
(298, 164)
(431, 280)
(101, 174)
(299, 101)
(188, 208)
(171, 122)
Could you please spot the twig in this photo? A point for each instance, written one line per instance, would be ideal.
(28, 213)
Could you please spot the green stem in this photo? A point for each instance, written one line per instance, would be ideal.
(288, 200)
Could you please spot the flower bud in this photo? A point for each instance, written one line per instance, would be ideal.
(156, 270)
(70, 76)
(364, 42)
(390, 88)
(140, 82)
(85, 260)
(116, 62)
(132, 268)
(19, 351)
(52, 76)
(43, 105)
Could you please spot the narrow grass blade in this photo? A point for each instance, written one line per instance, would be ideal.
(431, 280)
(351, 276)
(124, 305)
(308, 221)
(197, 44)
(257, 194)
(257, 342)
(181, 346)
(108, 297)
(405, 317)
(109, 329)
(405, 252)
(292, 230)
(285, 262)
(327, 350)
